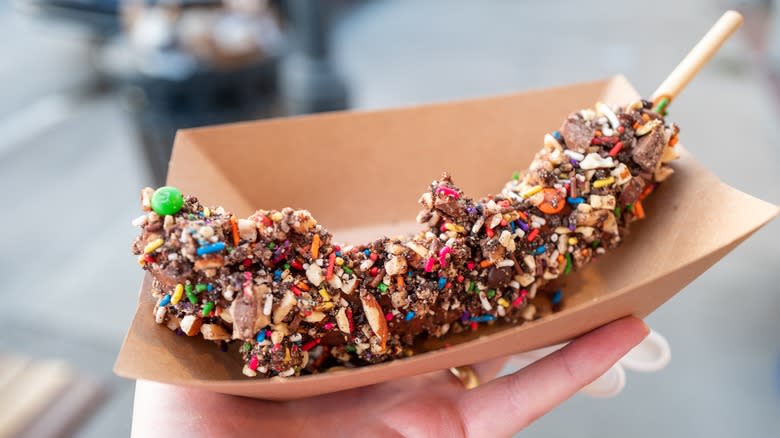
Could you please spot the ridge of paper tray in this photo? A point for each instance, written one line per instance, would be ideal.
(693, 221)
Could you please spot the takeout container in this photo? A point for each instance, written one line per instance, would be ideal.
(361, 173)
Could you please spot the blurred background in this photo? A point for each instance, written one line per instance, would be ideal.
(93, 91)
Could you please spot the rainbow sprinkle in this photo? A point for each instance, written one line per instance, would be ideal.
(604, 182)
(153, 245)
(532, 191)
(211, 248)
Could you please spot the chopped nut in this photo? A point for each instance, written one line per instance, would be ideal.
(247, 230)
(507, 241)
(366, 264)
(485, 303)
(375, 317)
(602, 202)
(593, 218)
(226, 316)
(173, 323)
(477, 225)
(647, 127)
(419, 249)
(529, 312)
(399, 298)
(394, 248)
(248, 371)
(530, 262)
(335, 282)
(214, 332)
(585, 231)
(214, 261)
(426, 200)
(315, 317)
(159, 314)
(314, 274)
(551, 143)
(495, 220)
(622, 174)
(140, 221)
(595, 161)
(342, 321)
(288, 302)
(610, 224)
(146, 198)
(525, 279)
(190, 325)
(206, 232)
(350, 285)
(662, 173)
(669, 154)
(396, 265)
(168, 222)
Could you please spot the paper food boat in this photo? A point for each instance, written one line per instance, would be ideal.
(361, 173)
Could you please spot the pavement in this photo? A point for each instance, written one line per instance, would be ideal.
(71, 167)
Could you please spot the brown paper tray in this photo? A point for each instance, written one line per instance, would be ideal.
(360, 174)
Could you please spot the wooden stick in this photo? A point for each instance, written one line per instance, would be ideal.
(698, 56)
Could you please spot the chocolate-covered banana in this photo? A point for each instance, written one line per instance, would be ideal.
(297, 301)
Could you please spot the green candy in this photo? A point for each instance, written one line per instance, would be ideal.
(167, 200)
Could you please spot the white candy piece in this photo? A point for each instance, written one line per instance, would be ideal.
(595, 161)
(575, 155)
(607, 112)
(268, 305)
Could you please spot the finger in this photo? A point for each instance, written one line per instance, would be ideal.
(489, 369)
(508, 404)
(485, 371)
(167, 410)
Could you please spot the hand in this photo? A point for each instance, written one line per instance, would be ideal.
(433, 404)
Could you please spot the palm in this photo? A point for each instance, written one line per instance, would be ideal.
(432, 405)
